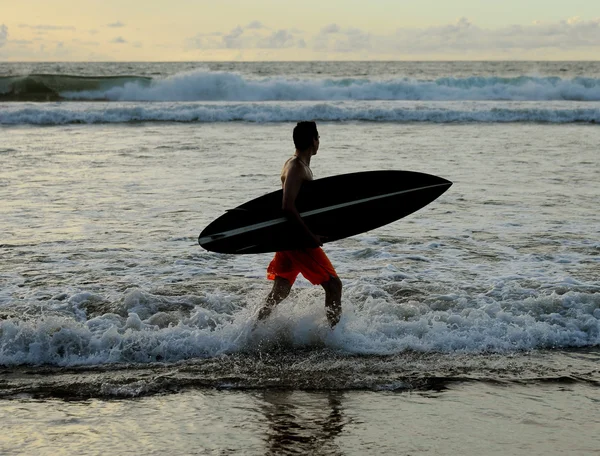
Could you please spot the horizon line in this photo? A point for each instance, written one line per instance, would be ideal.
(301, 61)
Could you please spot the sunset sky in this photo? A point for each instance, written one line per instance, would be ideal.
(175, 30)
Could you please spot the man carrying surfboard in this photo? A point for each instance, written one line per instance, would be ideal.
(312, 263)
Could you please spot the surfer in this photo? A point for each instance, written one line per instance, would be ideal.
(312, 263)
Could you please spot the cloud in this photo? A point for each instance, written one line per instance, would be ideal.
(204, 41)
(233, 38)
(254, 35)
(45, 49)
(255, 25)
(333, 38)
(279, 40)
(3, 35)
(331, 28)
(460, 38)
(117, 24)
(46, 27)
(464, 36)
(119, 40)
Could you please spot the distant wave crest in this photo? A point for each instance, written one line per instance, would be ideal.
(491, 112)
(54, 87)
(203, 85)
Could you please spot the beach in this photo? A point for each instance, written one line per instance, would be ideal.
(471, 326)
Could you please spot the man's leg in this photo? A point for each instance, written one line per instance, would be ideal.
(333, 300)
(281, 289)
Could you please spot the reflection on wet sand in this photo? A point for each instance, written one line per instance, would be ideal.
(310, 428)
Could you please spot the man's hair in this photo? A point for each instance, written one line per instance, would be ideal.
(304, 133)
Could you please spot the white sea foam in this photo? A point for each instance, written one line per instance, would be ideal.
(372, 324)
(436, 112)
(100, 262)
(202, 85)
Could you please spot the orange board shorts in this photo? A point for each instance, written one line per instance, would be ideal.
(313, 264)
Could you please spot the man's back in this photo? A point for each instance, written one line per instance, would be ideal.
(295, 165)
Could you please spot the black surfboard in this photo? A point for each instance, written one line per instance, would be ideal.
(334, 207)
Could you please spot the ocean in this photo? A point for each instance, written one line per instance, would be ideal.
(471, 326)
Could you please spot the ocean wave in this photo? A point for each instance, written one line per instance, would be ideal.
(50, 87)
(98, 113)
(203, 85)
(146, 328)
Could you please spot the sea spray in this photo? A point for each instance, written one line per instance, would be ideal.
(373, 323)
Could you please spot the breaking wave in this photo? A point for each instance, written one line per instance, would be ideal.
(145, 328)
(382, 111)
(52, 87)
(203, 85)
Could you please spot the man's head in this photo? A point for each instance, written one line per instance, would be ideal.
(306, 136)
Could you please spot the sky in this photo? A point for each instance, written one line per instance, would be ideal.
(251, 30)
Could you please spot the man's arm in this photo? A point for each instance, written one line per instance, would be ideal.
(291, 188)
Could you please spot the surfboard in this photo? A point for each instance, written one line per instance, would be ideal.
(335, 207)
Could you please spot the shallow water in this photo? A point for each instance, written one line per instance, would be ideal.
(100, 261)
(272, 365)
(549, 419)
(471, 326)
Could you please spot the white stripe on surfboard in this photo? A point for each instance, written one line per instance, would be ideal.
(258, 226)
